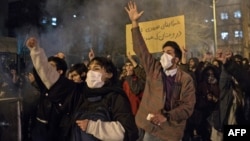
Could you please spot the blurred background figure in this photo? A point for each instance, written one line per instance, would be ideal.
(77, 72)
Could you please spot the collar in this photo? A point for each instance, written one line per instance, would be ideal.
(171, 72)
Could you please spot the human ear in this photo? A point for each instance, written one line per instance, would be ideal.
(109, 75)
(60, 71)
(176, 60)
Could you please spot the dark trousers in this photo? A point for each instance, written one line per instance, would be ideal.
(40, 132)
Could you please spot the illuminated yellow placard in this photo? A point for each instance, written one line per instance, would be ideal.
(157, 32)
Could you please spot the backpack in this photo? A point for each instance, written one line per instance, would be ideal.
(94, 108)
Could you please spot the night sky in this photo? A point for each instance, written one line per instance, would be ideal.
(26, 12)
(100, 24)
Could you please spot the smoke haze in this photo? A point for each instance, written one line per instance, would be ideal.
(100, 24)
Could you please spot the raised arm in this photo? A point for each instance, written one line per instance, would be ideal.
(131, 59)
(47, 73)
(139, 45)
(184, 55)
(133, 13)
(91, 54)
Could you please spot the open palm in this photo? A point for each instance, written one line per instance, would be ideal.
(132, 11)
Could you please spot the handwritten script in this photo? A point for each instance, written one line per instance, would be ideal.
(157, 32)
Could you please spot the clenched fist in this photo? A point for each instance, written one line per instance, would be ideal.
(31, 42)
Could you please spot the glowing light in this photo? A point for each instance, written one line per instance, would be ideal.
(224, 35)
(54, 24)
(53, 21)
(237, 14)
(44, 20)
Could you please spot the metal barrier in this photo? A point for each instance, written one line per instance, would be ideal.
(10, 119)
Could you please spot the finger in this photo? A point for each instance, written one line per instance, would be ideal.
(126, 9)
(91, 50)
(28, 42)
(134, 5)
(31, 42)
(141, 13)
(130, 6)
(78, 122)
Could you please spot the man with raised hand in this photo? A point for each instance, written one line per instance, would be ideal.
(169, 94)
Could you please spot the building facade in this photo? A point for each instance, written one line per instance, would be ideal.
(233, 25)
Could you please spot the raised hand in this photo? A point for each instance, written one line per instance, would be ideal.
(228, 53)
(60, 55)
(31, 77)
(131, 59)
(131, 9)
(31, 42)
(183, 50)
(129, 56)
(91, 54)
(184, 55)
(223, 55)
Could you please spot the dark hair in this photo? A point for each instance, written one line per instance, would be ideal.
(245, 59)
(109, 66)
(176, 48)
(128, 61)
(60, 64)
(79, 68)
(196, 61)
(238, 56)
(215, 70)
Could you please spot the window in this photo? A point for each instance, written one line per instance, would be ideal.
(44, 20)
(54, 21)
(238, 34)
(237, 14)
(224, 35)
(223, 16)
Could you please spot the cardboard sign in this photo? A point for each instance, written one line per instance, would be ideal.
(157, 32)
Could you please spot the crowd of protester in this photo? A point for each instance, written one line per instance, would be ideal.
(170, 98)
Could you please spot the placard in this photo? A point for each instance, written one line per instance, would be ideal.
(157, 32)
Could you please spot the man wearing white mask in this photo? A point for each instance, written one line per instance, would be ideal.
(169, 94)
(95, 110)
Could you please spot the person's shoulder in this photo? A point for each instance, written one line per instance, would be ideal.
(117, 93)
(184, 74)
(65, 82)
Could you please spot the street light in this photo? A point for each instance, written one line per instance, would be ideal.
(215, 26)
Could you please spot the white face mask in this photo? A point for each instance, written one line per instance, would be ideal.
(166, 61)
(94, 79)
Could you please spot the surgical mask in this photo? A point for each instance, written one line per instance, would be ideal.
(166, 61)
(94, 79)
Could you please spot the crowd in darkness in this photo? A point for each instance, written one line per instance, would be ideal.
(207, 74)
(10, 80)
(14, 88)
(170, 98)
